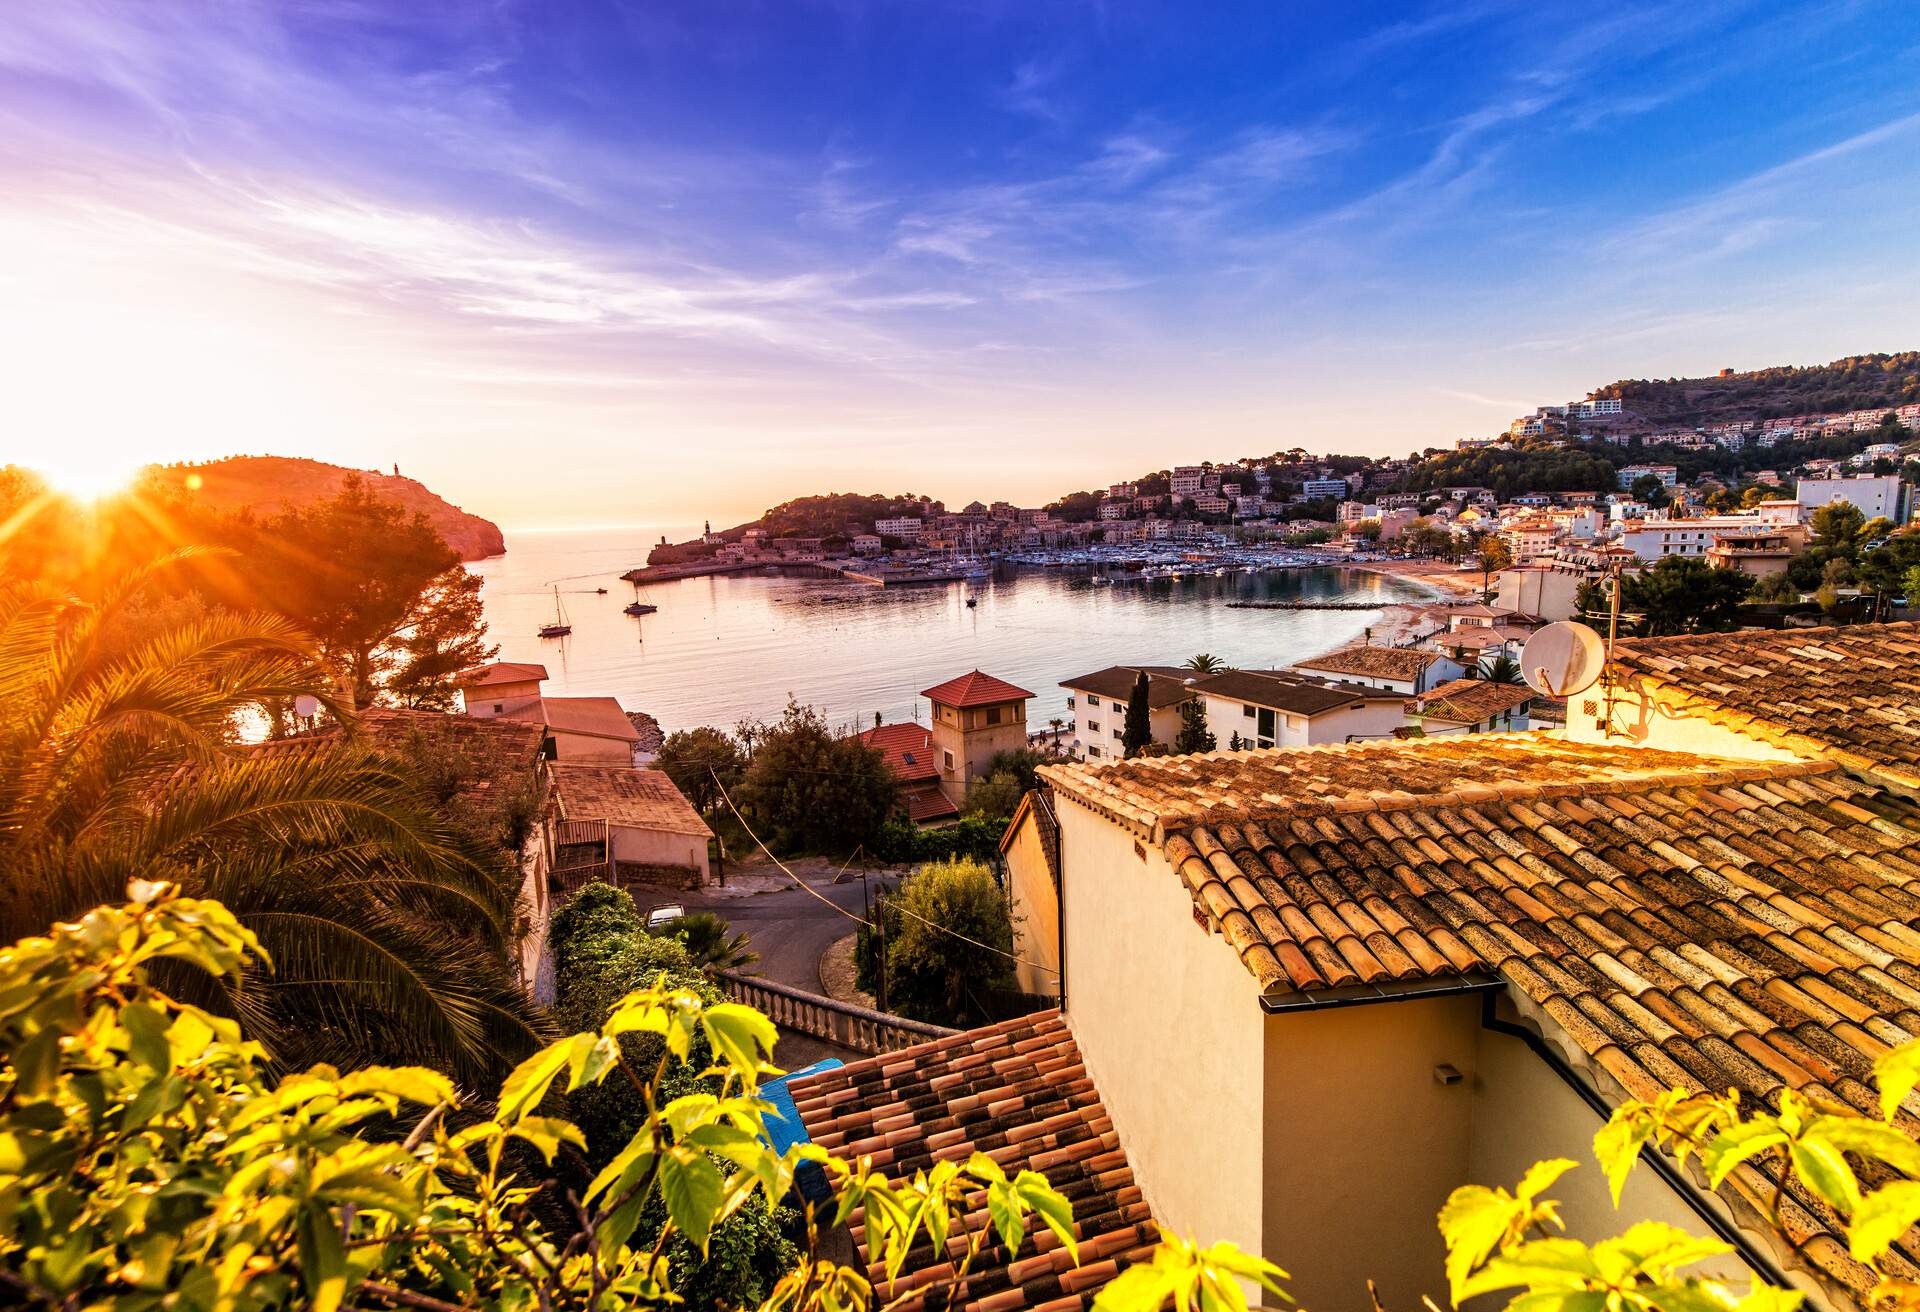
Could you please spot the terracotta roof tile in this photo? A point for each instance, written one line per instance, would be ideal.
(1469, 701)
(1018, 1092)
(626, 797)
(1852, 694)
(908, 748)
(975, 689)
(1373, 662)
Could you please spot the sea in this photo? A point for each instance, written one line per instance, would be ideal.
(734, 647)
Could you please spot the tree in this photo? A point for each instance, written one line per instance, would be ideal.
(1022, 763)
(1651, 489)
(1495, 556)
(1235, 743)
(1205, 663)
(378, 589)
(1683, 594)
(1138, 730)
(1499, 669)
(701, 762)
(1837, 525)
(389, 923)
(808, 790)
(1775, 589)
(949, 941)
(1194, 735)
(709, 943)
(996, 797)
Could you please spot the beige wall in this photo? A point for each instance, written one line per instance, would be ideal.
(973, 742)
(1524, 1113)
(1643, 720)
(656, 847)
(1036, 912)
(584, 748)
(481, 703)
(1170, 1025)
(1363, 1145)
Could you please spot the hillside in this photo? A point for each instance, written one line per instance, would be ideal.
(1859, 382)
(268, 484)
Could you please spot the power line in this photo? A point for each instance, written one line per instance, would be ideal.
(911, 915)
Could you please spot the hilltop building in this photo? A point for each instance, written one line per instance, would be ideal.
(975, 717)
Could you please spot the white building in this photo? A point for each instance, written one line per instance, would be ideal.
(1871, 496)
(1277, 708)
(1187, 480)
(906, 527)
(1650, 539)
(1099, 706)
(1316, 488)
(1628, 475)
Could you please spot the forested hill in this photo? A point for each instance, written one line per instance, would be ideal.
(269, 484)
(1859, 382)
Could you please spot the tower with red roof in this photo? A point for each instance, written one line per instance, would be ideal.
(975, 717)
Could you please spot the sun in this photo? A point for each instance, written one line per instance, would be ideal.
(87, 478)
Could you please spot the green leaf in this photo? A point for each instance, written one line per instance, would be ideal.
(1770, 1298)
(1882, 1217)
(739, 1035)
(414, 1084)
(1825, 1171)
(1617, 1144)
(531, 1079)
(1896, 1072)
(1737, 1143)
(692, 1187)
(547, 1133)
(1872, 1139)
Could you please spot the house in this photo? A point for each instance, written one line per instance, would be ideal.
(1278, 708)
(503, 787)
(1627, 475)
(909, 752)
(1377, 971)
(1652, 539)
(646, 830)
(1471, 706)
(487, 690)
(975, 718)
(1030, 850)
(867, 544)
(1099, 704)
(1761, 555)
(1872, 496)
(580, 728)
(1404, 670)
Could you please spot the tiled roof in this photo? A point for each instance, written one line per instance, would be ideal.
(1469, 701)
(1851, 694)
(1377, 662)
(1300, 693)
(1165, 686)
(1038, 802)
(1681, 920)
(625, 796)
(929, 803)
(1018, 1092)
(908, 748)
(482, 676)
(975, 689)
(590, 717)
(496, 761)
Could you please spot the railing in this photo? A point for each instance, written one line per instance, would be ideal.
(859, 1028)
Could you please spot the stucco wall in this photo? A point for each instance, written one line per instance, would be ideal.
(1363, 1145)
(480, 702)
(655, 847)
(585, 749)
(1640, 719)
(1170, 1025)
(1036, 912)
(1523, 1113)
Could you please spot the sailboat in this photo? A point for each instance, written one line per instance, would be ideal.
(559, 628)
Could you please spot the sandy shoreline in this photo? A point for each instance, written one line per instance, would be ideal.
(1404, 623)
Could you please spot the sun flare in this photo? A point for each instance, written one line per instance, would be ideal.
(87, 478)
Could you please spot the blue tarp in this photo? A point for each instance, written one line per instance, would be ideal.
(784, 1128)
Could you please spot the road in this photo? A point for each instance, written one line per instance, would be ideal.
(790, 929)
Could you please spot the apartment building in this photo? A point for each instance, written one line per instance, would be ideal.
(1628, 475)
(906, 527)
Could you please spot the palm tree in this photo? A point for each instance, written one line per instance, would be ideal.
(1500, 669)
(704, 935)
(1205, 663)
(387, 925)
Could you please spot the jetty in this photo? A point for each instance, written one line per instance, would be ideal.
(1308, 605)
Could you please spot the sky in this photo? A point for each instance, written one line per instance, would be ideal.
(576, 264)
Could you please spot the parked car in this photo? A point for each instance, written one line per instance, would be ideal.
(663, 915)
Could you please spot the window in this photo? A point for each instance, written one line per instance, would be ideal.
(1118, 734)
(499, 707)
(1265, 722)
(949, 759)
(993, 715)
(1093, 726)
(1093, 751)
(1092, 700)
(1247, 711)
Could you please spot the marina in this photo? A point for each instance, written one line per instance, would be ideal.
(733, 645)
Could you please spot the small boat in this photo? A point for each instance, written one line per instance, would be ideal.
(559, 628)
(600, 592)
(639, 608)
(972, 602)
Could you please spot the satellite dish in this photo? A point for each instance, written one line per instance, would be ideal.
(1563, 659)
(306, 706)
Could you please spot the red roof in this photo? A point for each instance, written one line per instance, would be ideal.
(908, 748)
(500, 672)
(975, 689)
(924, 804)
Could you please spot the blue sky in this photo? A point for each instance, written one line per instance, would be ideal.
(595, 263)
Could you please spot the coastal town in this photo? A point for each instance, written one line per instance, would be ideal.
(959, 658)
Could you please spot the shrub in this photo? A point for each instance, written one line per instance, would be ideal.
(940, 976)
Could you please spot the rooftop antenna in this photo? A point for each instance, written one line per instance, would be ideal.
(1563, 659)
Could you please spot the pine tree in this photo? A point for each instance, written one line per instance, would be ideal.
(1138, 731)
(1194, 734)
